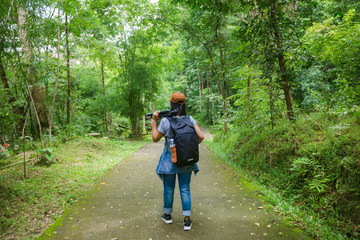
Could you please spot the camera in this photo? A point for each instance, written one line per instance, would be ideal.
(167, 113)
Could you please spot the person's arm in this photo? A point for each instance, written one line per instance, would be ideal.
(199, 134)
(156, 135)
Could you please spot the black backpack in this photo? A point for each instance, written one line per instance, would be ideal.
(186, 141)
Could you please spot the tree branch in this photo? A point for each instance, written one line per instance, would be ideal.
(241, 18)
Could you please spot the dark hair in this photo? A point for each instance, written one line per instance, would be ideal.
(180, 106)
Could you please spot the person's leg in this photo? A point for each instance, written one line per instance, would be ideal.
(169, 187)
(184, 186)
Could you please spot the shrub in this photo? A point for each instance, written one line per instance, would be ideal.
(313, 161)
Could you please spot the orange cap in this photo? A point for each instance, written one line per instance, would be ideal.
(177, 97)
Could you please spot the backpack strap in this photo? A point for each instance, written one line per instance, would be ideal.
(171, 121)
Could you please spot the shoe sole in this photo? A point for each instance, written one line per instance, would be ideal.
(187, 228)
(166, 221)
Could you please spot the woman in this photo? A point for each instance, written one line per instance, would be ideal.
(166, 170)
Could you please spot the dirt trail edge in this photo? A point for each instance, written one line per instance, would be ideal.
(127, 204)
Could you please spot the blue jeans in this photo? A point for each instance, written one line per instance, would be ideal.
(169, 188)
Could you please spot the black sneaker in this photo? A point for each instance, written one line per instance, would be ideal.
(187, 225)
(166, 218)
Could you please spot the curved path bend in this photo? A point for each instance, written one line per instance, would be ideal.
(127, 204)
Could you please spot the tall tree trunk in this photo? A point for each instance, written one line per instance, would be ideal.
(32, 127)
(68, 104)
(134, 126)
(249, 94)
(46, 80)
(35, 93)
(208, 99)
(4, 81)
(134, 115)
(286, 87)
(57, 79)
(143, 120)
(212, 98)
(35, 111)
(15, 80)
(23, 35)
(198, 74)
(202, 83)
(103, 93)
(223, 80)
(281, 61)
(23, 141)
(271, 101)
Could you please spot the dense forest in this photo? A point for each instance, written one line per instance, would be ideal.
(277, 81)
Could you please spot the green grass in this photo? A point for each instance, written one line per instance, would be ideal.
(28, 206)
(308, 220)
(309, 169)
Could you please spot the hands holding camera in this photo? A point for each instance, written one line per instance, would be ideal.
(155, 115)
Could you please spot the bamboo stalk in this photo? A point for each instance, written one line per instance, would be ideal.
(23, 135)
(57, 79)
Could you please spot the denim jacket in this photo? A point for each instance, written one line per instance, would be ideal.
(165, 166)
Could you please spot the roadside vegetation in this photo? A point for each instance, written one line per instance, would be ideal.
(308, 169)
(28, 206)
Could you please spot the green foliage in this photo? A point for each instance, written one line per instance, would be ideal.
(140, 81)
(335, 44)
(7, 114)
(313, 161)
(49, 190)
(46, 156)
(304, 169)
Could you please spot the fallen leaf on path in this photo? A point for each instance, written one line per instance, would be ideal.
(257, 224)
(102, 183)
(269, 226)
(261, 207)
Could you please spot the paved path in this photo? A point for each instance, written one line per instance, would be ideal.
(127, 204)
